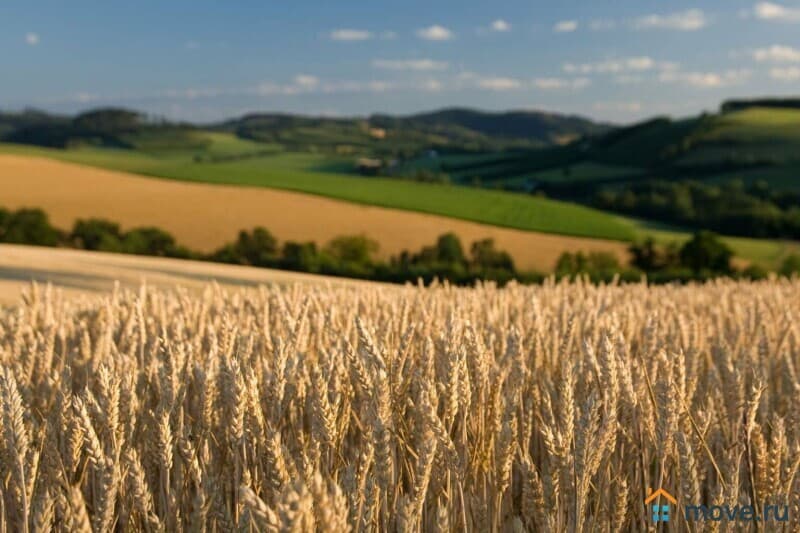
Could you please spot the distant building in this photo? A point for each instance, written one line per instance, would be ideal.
(345, 149)
(377, 133)
(369, 167)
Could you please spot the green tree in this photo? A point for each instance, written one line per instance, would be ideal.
(257, 247)
(29, 226)
(790, 265)
(353, 249)
(449, 249)
(96, 234)
(150, 241)
(300, 256)
(646, 256)
(484, 256)
(706, 252)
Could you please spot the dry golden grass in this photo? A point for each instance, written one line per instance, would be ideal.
(205, 216)
(381, 408)
(77, 273)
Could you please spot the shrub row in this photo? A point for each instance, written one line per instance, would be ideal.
(702, 257)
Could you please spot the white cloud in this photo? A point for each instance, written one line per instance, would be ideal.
(602, 24)
(306, 80)
(777, 54)
(565, 26)
(785, 74)
(500, 25)
(499, 84)
(378, 86)
(349, 34)
(551, 84)
(388, 35)
(85, 98)
(706, 80)
(431, 85)
(620, 65)
(32, 38)
(690, 20)
(776, 12)
(409, 64)
(302, 84)
(435, 33)
(629, 79)
(473, 80)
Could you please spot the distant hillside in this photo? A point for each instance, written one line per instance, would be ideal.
(108, 127)
(447, 129)
(452, 130)
(748, 140)
(540, 126)
(738, 105)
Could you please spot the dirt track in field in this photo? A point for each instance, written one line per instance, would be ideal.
(205, 216)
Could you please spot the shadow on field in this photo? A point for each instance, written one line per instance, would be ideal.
(223, 280)
(65, 279)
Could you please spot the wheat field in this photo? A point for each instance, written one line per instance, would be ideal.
(374, 408)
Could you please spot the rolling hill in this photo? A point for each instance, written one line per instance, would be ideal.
(544, 128)
(484, 152)
(758, 140)
(398, 136)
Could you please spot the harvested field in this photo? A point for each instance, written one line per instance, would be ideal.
(80, 273)
(205, 216)
(387, 408)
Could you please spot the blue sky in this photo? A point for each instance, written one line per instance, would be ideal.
(203, 60)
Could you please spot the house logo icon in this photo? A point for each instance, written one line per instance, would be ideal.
(658, 510)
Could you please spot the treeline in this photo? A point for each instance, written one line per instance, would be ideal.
(109, 127)
(355, 257)
(346, 256)
(705, 256)
(702, 257)
(781, 103)
(732, 208)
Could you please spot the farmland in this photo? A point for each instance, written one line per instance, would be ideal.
(78, 273)
(205, 216)
(304, 155)
(305, 173)
(755, 143)
(384, 408)
(475, 213)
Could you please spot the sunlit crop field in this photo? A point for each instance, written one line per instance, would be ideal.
(379, 408)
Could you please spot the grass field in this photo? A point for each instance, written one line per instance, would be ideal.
(777, 127)
(382, 408)
(755, 143)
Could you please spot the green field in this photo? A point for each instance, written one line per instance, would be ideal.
(754, 143)
(765, 252)
(317, 174)
(755, 125)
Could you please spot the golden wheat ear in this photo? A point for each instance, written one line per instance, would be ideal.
(309, 409)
